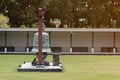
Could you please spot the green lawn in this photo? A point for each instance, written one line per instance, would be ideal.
(74, 68)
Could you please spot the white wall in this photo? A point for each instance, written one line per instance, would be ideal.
(17, 39)
(60, 39)
(82, 39)
(103, 39)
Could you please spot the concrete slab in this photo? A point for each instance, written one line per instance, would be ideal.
(27, 67)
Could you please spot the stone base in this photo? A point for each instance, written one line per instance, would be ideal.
(28, 67)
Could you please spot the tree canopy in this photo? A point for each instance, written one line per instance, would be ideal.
(75, 13)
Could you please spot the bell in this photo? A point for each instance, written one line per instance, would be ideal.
(45, 43)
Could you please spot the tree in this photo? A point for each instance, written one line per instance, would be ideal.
(4, 21)
(22, 12)
(98, 13)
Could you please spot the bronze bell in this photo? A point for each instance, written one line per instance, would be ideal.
(45, 43)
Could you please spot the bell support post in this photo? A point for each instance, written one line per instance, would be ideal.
(41, 14)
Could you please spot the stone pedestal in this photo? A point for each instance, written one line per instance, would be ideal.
(56, 59)
(28, 67)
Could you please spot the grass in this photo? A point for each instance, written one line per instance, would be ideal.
(74, 68)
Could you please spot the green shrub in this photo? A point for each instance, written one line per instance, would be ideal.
(22, 26)
(4, 21)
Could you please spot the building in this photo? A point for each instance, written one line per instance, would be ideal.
(65, 40)
(16, 39)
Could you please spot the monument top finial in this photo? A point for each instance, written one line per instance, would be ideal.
(41, 13)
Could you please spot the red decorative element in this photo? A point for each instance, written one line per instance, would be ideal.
(41, 15)
(114, 40)
(92, 39)
(71, 34)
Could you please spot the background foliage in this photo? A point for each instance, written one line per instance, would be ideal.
(75, 13)
(4, 21)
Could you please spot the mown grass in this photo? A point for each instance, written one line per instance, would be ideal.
(74, 68)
